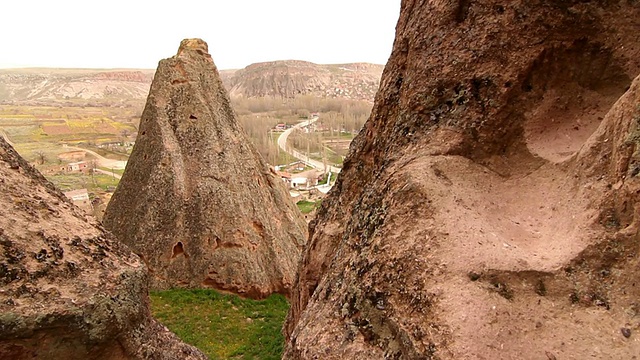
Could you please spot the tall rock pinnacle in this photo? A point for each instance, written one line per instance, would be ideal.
(68, 288)
(196, 201)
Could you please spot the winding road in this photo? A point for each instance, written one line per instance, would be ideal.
(102, 161)
(110, 173)
(282, 143)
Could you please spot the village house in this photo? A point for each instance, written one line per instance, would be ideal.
(295, 166)
(305, 180)
(77, 166)
(285, 176)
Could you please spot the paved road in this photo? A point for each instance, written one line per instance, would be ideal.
(102, 161)
(282, 143)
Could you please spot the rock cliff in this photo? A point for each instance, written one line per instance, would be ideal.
(489, 209)
(69, 290)
(74, 87)
(290, 78)
(196, 201)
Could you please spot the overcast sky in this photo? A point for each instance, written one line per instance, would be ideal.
(138, 33)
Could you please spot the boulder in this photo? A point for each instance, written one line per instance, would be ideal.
(68, 289)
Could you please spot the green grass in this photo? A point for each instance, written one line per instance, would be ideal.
(308, 206)
(71, 181)
(224, 326)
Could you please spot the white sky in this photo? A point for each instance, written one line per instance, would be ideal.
(138, 33)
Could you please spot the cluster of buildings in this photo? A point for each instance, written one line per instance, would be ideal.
(296, 178)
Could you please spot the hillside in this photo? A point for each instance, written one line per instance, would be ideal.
(489, 208)
(129, 87)
(74, 87)
(357, 81)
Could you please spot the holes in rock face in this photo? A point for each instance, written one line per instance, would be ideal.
(209, 282)
(178, 249)
(462, 10)
(566, 93)
(193, 117)
(144, 133)
(214, 242)
(259, 228)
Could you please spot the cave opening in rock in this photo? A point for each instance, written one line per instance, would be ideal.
(568, 91)
(178, 249)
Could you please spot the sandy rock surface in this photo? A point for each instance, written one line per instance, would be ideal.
(68, 289)
(489, 208)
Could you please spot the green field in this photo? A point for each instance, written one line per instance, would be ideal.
(306, 206)
(224, 326)
(95, 182)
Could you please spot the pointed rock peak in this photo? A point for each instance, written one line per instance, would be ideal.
(196, 200)
(188, 47)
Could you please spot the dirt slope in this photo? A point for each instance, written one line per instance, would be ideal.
(129, 87)
(489, 208)
(68, 289)
(290, 78)
(196, 200)
(74, 87)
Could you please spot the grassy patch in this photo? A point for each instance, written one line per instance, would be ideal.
(306, 206)
(71, 181)
(224, 326)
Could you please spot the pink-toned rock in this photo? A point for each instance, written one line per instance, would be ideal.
(489, 208)
(196, 201)
(68, 289)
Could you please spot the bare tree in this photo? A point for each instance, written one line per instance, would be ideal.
(41, 157)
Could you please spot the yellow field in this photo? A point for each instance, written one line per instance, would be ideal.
(38, 133)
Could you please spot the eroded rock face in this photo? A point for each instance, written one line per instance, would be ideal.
(291, 78)
(196, 201)
(69, 290)
(489, 208)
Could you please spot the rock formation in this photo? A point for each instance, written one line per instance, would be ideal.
(130, 87)
(74, 87)
(489, 209)
(290, 78)
(69, 290)
(196, 201)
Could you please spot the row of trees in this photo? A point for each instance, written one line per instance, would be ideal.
(302, 106)
(259, 129)
(338, 117)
